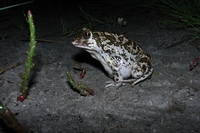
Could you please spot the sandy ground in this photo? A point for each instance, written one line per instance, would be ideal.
(167, 102)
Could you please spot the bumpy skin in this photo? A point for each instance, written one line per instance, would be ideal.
(122, 58)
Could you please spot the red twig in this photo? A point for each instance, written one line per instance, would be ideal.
(194, 63)
(8, 116)
(80, 68)
(82, 74)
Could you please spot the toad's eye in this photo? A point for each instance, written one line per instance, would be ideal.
(86, 34)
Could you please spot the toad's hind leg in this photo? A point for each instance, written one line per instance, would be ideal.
(143, 77)
(135, 80)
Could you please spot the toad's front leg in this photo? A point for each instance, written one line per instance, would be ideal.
(117, 77)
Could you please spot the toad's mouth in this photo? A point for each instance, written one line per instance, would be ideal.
(83, 46)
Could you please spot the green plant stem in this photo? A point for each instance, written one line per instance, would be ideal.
(29, 62)
(8, 116)
(83, 90)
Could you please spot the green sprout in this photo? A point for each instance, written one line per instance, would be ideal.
(121, 22)
(81, 88)
(29, 62)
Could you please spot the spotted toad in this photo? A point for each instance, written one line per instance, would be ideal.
(122, 58)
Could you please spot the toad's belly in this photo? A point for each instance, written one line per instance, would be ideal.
(125, 72)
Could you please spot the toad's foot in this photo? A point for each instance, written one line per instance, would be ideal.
(113, 84)
(133, 82)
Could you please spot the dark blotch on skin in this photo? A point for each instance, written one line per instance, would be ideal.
(109, 37)
(146, 60)
(95, 35)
